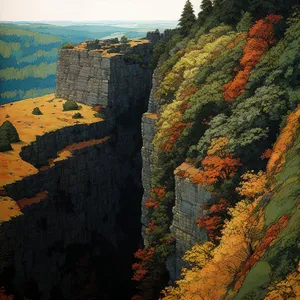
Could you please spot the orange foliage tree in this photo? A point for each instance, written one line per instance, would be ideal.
(217, 168)
(284, 141)
(141, 267)
(261, 37)
(156, 195)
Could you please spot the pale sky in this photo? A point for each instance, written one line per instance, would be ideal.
(92, 10)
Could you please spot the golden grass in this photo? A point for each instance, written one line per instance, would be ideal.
(104, 50)
(8, 209)
(68, 151)
(12, 167)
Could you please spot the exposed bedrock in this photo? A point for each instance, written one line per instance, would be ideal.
(80, 222)
(189, 197)
(115, 82)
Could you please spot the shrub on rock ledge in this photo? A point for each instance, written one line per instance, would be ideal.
(37, 111)
(70, 105)
(10, 132)
(77, 116)
(67, 46)
(4, 143)
(99, 115)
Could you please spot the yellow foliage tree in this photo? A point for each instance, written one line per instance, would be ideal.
(226, 260)
(287, 289)
(253, 184)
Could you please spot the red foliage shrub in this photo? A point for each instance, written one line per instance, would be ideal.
(261, 37)
(212, 225)
(151, 203)
(188, 92)
(214, 221)
(175, 132)
(159, 192)
(220, 207)
(151, 226)
(141, 268)
(267, 154)
(97, 108)
(3, 295)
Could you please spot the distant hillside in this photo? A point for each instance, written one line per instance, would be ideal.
(28, 53)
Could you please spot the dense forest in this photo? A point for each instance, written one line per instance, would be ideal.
(228, 106)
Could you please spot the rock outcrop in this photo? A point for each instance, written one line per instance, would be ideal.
(79, 213)
(190, 200)
(115, 82)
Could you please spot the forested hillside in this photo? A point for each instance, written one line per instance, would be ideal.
(227, 106)
(28, 63)
(28, 53)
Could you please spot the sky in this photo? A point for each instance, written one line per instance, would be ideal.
(92, 10)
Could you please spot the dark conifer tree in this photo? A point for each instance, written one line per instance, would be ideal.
(206, 10)
(187, 19)
(206, 7)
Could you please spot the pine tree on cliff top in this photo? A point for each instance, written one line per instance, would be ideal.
(206, 7)
(187, 19)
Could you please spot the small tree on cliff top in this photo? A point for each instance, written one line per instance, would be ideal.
(187, 19)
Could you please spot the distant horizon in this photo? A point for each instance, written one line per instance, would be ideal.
(87, 21)
(96, 10)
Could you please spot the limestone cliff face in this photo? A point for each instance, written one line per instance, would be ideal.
(115, 82)
(190, 199)
(148, 132)
(80, 213)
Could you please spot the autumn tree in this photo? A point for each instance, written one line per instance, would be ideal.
(214, 221)
(253, 184)
(141, 267)
(187, 19)
(261, 37)
(217, 168)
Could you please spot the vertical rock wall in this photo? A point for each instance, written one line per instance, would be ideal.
(116, 82)
(190, 200)
(148, 132)
(87, 225)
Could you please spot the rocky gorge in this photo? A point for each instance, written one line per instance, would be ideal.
(79, 215)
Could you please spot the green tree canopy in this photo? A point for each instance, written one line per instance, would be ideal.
(206, 7)
(187, 19)
(245, 23)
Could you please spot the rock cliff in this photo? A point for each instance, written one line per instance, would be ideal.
(79, 213)
(115, 82)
